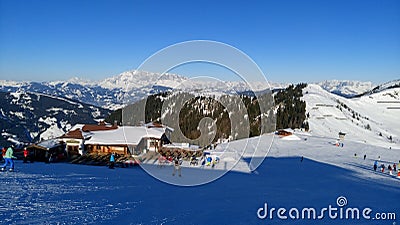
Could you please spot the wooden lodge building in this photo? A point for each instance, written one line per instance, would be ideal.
(106, 139)
(124, 140)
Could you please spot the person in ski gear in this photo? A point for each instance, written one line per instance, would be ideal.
(112, 161)
(3, 152)
(215, 161)
(193, 160)
(375, 165)
(383, 168)
(47, 157)
(394, 167)
(177, 167)
(365, 156)
(398, 166)
(398, 170)
(302, 158)
(9, 159)
(162, 160)
(26, 154)
(390, 170)
(208, 161)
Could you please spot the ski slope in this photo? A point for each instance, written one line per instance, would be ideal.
(373, 116)
(61, 193)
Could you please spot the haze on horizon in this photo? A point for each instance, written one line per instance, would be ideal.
(291, 41)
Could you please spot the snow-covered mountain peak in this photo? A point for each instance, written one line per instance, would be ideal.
(10, 83)
(137, 79)
(346, 88)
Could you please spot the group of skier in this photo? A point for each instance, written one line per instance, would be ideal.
(177, 162)
(8, 156)
(391, 168)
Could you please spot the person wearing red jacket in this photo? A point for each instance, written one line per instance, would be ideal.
(26, 154)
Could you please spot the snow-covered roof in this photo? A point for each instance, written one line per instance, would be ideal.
(158, 125)
(48, 144)
(126, 135)
(77, 126)
(185, 146)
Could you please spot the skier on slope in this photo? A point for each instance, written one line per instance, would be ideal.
(3, 152)
(9, 159)
(112, 161)
(177, 166)
(383, 168)
(375, 165)
(390, 170)
(26, 154)
(398, 166)
(208, 161)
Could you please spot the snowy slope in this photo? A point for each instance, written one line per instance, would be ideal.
(73, 194)
(384, 86)
(363, 119)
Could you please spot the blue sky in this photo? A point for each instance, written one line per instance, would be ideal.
(291, 41)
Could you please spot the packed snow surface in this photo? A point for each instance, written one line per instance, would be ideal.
(60, 193)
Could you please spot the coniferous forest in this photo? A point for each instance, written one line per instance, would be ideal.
(225, 117)
(206, 119)
(291, 110)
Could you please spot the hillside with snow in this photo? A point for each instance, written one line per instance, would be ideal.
(371, 119)
(28, 117)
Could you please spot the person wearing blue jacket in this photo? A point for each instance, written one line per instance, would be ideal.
(9, 159)
(112, 161)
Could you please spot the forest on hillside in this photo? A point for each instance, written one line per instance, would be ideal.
(291, 110)
(203, 120)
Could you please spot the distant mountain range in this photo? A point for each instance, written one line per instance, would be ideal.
(31, 111)
(346, 88)
(128, 87)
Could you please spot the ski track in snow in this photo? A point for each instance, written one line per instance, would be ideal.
(55, 199)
